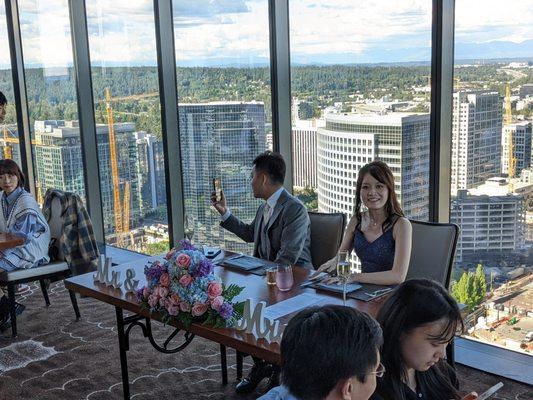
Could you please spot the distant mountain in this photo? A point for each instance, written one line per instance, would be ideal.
(495, 49)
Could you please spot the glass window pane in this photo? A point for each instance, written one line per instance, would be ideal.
(360, 92)
(128, 116)
(9, 142)
(491, 169)
(222, 56)
(50, 86)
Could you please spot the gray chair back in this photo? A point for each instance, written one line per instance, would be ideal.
(326, 236)
(433, 251)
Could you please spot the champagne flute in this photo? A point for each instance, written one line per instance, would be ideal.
(343, 271)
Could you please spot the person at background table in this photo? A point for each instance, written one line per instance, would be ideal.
(20, 215)
(419, 320)
(329, 353)
(281, 230)
(379, 235)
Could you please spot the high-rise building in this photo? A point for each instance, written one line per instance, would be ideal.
(476, 138)
(490, 224)
(348, 142)
(304, 135)
(58, 162)
(220, 140)
(521, 134)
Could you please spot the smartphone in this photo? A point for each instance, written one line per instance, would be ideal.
(490, 392)
(217, 188)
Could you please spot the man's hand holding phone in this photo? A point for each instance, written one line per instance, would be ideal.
(218, 200)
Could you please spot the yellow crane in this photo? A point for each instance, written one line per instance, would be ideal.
(508, 119)
(121, 211)
(8, 148)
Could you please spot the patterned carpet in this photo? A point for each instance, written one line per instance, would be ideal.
(55, 357)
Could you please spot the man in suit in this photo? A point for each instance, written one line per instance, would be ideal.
(280, 231)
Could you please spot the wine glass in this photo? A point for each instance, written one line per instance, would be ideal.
(284, 278)
(343, 271)
(188, 227)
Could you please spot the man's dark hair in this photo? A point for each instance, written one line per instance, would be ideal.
(3, 99)
(272, 164)
(322, 346)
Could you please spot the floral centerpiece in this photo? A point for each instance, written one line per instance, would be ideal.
(184, 287)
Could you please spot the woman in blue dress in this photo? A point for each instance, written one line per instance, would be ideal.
(380, 235)
(22, 216)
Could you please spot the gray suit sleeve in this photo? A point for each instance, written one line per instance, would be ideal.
(295, 226)
(239, 228)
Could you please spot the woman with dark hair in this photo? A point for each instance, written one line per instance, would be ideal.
(22, 216)
(380, 234)
(419, 319)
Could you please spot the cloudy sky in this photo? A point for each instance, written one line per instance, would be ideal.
(235, 32)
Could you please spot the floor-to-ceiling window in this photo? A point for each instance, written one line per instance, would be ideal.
(360, 92)
(128, 124)
(491, 185)
(51, 93)
(225, 118)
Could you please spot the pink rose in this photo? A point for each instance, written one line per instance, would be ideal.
(146, 292)
(164, 280)
(183, 260)
(217, 302)
(214, 289)
(184, 306)
(185, 280)
(175, 298)
(161, 291)
(199, 309)
(153, 300)
(172, 308)
(170, 254)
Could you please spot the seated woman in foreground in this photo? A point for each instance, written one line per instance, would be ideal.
(381, 235)
(22, 216)
(419, 320)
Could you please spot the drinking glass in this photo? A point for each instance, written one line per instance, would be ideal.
(343, 271)
(271, 275)
(188, 227)
(284, 277)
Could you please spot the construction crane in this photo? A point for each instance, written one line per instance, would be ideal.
(508, 119)
(8, 148)
(121, 211)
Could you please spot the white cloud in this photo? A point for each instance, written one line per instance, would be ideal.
(123, 30)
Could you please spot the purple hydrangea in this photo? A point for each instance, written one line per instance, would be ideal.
(204, 268)
(186, 245)
(153, 272)
(139, 294)
(226, 310)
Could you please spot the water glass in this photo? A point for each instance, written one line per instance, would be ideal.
(271, 275)
(284, 278)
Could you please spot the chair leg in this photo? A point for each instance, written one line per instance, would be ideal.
(45, 292)
(240, 362)
(75, 304)
(224, 364)
(12, 311)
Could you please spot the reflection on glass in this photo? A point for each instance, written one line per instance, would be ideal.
(127, 113)
(222, 56)
(491, 197)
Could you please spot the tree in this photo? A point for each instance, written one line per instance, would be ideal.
(471, 288)
(154, 249)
